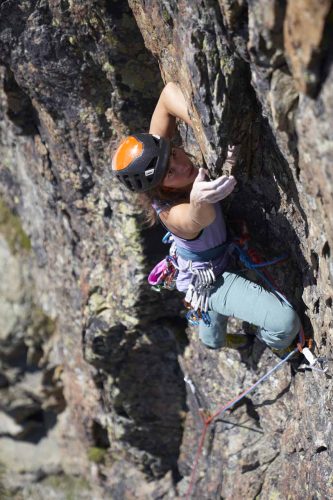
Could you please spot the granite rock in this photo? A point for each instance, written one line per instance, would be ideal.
(92, 360)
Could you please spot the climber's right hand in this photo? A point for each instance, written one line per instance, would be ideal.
(211, 191)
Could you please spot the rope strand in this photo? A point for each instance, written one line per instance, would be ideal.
(224, 408)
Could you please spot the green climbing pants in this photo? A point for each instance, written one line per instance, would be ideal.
(232, 295)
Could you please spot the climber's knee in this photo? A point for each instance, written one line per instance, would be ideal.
(283, 329)
(290, 323)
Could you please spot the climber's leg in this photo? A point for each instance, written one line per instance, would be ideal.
(236, 296)
(214, 335)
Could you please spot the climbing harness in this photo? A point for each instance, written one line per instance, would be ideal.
(164, 275)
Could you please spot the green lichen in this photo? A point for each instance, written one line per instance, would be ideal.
(96, 455)
(97, 303)
(108, 68)
(226, 65)
(132, 76)
(110, 39)
(274, 495)
(100, 107)
(94, 22)
(166, 15)
(5, 493)
(55, 23)
(43, 325)
(11, 229)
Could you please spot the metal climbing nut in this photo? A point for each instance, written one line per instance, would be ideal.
(316, 364)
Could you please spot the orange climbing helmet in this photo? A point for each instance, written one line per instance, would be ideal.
(141, 161)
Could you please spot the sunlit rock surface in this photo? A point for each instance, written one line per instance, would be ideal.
(93, 401)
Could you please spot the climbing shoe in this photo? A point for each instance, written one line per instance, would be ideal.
(283, 353)
(238, 340)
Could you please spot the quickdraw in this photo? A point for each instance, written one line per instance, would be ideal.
(197, 295)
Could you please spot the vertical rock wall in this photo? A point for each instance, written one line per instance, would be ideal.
(76, 76)
(260, 73)
(71, 84)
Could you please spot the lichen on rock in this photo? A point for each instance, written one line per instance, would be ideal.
(91, 358)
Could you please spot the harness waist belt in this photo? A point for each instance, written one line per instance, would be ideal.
(203, 256)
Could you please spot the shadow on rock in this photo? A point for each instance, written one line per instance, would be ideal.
(144, 385)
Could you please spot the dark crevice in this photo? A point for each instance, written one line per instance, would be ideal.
(320, 449)
(250, 409)
(35, 425)
(100, 435)
(326, 251)
(250, 467)
(316, 306)
(315, 261)
(108, 212)
(20, 110)
(324, 53)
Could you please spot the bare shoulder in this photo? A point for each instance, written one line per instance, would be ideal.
(176, 219)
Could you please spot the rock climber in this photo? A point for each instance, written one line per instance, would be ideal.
(183, 198)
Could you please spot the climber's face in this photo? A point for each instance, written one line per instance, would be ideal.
(181, 172)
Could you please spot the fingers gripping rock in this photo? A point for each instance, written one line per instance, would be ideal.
(204, 191)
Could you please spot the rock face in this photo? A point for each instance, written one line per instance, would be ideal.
(92, 361)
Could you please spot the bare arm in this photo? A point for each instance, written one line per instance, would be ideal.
(171, 105)
(187, 219)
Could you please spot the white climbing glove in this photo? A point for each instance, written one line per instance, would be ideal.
(211, 191)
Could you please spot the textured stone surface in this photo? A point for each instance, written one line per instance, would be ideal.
(307, 41)
(83, 339)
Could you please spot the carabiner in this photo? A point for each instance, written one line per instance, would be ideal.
(206, 318)
(193, 317)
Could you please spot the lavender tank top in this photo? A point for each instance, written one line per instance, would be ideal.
(211, 236)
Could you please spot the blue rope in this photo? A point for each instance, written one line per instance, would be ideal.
(250, 389)
(166, 238)
(269, 262)
(249, 264)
